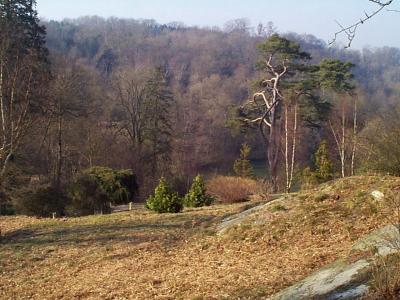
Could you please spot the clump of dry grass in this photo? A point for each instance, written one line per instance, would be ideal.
(229, 189)
(386, 279)
(386, 272)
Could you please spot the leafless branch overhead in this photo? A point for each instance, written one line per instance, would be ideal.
(351, 30)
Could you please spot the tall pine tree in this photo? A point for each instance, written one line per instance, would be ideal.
(158, 110)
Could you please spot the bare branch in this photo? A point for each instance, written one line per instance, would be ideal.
(351, 30)
(262, 94)
(260, 119)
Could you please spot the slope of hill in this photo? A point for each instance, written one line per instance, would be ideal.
(142, 255)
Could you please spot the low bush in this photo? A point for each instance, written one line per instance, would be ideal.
(87, 197)
(39, 200)
(229, 189)
(120, 185)
(7, 209)
(197, 195)
(164, 200)
(95, 189)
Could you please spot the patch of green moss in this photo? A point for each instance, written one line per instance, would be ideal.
(278, 207)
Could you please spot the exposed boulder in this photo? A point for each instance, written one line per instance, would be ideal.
(248, 216)
(377, 195)
(383, 241)
(337, 281)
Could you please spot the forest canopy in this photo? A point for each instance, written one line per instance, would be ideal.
(166, 100)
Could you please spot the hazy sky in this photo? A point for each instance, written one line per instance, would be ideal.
(302, 16)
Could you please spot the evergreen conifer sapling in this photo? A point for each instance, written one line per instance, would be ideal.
(197, 195)
(164, 200)
(242, 165)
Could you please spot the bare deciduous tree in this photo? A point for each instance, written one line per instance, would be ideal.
(70, 99)
(131, 94)
(23, 65)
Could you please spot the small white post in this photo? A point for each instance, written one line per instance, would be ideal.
(130, 206)
(54, 215)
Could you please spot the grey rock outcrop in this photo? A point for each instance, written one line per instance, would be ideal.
(343, 280)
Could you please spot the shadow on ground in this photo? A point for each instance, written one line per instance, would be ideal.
(163, 230)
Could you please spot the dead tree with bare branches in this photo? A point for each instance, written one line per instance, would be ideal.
(280, 61)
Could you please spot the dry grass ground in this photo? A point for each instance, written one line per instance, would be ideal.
(141, 255)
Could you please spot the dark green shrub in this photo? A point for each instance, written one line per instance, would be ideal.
(7, 209)
(197, 195)
(95, 189)
(120, 186)
(164, 200)
(87, 197)
(39, 200)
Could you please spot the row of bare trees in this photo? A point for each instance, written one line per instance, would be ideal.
(159, 99)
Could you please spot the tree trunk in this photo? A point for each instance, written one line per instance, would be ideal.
(290, 160)
(294, 144)
(343, 146)
(3, 121)
(274, 147)
(340, 140)
(355, 140)
(60, 149)
(287, 148)
(3, 125)
(7, 145)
